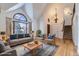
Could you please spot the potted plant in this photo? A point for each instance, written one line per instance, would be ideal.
(38, 33)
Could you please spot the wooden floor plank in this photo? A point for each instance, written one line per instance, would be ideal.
(65, 49)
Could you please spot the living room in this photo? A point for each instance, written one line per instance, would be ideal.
(37, 29)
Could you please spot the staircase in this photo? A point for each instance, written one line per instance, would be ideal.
(68, 32)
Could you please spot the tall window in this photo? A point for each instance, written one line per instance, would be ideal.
(19, 24)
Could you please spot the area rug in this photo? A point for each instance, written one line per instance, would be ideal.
(46, 50)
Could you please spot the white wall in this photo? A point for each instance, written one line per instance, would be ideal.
(29, 11)
(11, 14)
(50, 12)
(2, 21)
(68, 8)
(78, 36)
(3, 16)
(42, 25)
(56, 28)
(68, 19)
(38, 9)
(77, 27)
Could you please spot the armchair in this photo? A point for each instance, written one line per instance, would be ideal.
(51, 39)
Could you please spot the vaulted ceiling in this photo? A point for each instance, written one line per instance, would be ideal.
(6, 6)
(38, 9)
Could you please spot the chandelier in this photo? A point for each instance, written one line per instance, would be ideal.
(56, 15)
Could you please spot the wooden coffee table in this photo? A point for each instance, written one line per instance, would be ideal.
(32, 46)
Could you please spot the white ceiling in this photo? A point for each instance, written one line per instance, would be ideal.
(69, 5)
(17, 6)
(38, 9)
(6, 6)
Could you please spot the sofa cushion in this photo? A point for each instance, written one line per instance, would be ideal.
(16, 40)
(20, 41)
(2, 46)
(27, 35)
(25, 39)
(7, 47)
(12, 37)
(21, 36)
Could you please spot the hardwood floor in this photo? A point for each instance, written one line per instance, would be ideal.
(65, 49)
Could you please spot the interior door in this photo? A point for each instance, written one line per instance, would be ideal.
(48, 29)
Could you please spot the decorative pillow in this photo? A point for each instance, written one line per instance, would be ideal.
(12, 37)
(2, 46)
(27, 35)
(51, 36)
(20, 36)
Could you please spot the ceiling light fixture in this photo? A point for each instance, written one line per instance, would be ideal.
(56, 15)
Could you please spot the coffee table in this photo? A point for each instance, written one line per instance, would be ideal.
(32, 46)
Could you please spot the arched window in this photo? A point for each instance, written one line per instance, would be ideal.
(19, 17)
(19, 23)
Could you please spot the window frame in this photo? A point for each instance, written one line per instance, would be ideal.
(19, 21)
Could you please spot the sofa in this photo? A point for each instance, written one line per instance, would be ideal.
(6, 50)
(17, 39)
(10, 52)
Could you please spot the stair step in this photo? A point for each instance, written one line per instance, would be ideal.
(68, 32)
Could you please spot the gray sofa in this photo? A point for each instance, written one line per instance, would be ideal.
(6, 50)
(10, 52)
(17, 39)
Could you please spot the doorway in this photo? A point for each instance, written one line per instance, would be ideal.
(48, 29)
